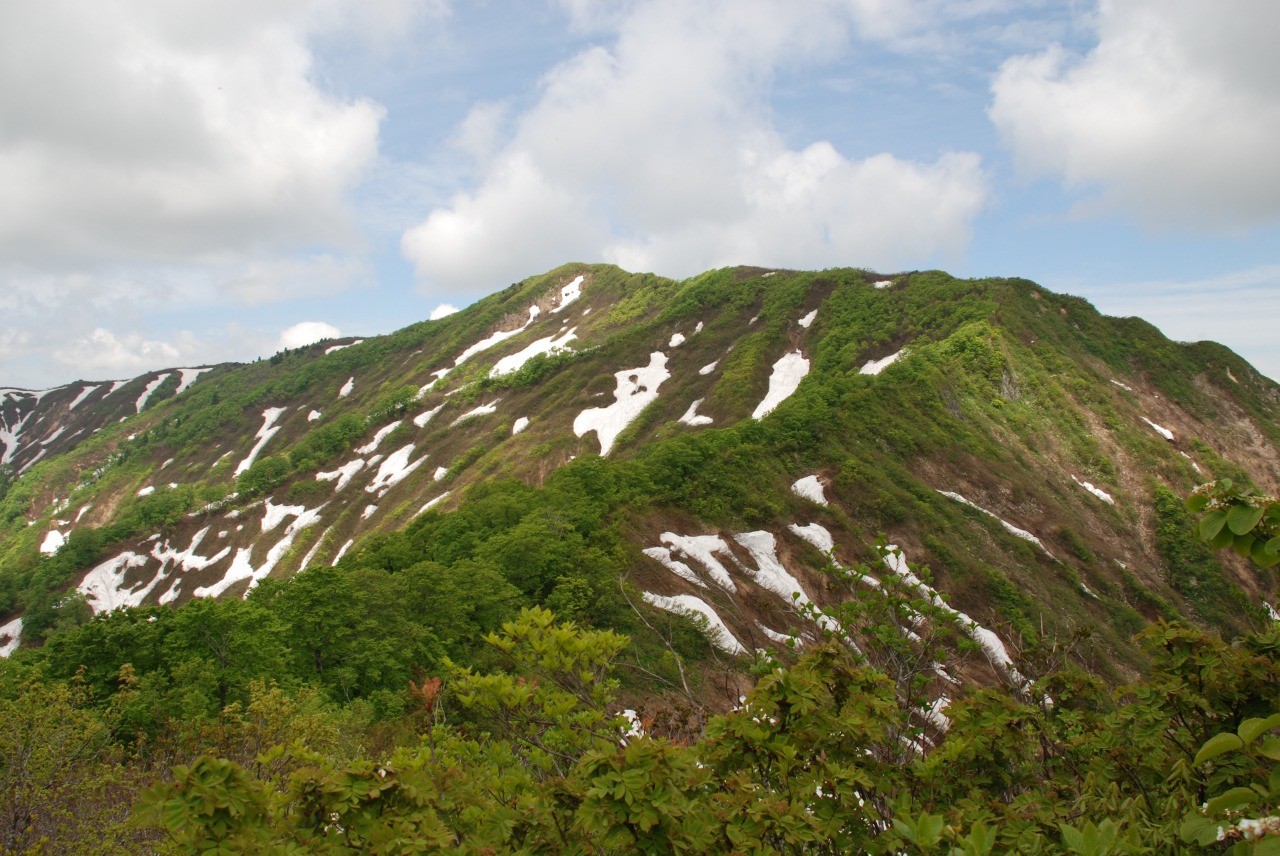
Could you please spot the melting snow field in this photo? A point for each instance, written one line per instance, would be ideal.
(708, 368)
(691, 416)
(52, 543)
(874, 367)
(636, 389)
(500, 336)
(808, 319)
(1098, 492)
(788, 371)
(482, 410)
(549, 345)
(426, 416)
(687, 604)
(1009, 527)
(186, 377)
(85, 393)
(151, 387)
(103, 587)
(343, 474)
(521, 424)
(703, 549)
(810, 488)
(242, 568)
(663, 556)
(1163, 432)
(347, 387)
(372, 446)
(265, 433)
(570, 293)
(395, 469)
(771, 575)
(10, 637)
(677, 339)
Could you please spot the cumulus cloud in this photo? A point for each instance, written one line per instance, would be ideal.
(444, 310)
(1172, 117)
(657, 152)
(306, 333)
(123, 355)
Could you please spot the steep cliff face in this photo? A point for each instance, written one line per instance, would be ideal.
(741, 435)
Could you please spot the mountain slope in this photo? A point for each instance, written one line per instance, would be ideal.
(757, 426)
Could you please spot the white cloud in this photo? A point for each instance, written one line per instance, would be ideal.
(444, 310)
(269, 280)
(657, 152)
(124, 355)
(1173, 116)
(306, 333)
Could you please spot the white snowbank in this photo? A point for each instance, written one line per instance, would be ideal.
(874, 367)
(315, 548)
(771, 575)
(482, 410)
(333, 349)
(677, 339)
(369, 511)
(186, 377)
(84, 393)
(1098, 492)
(146, 491)
(395, 469)
(343, 474)
(103, 587)
(703, 549)
(521, 424)
(432, 503)
(548, 345)
(1194, 465)
(242, 568)
(426, 416)
(775, 636)
(691, 416)
(52, 543)
(808, 319)
(265, 433)
(440, 473)
(810, 488)
(1009, 527)
(694, 607)
(500, 336)
(788, 371)
(372, 446)
(697, 328)
(933, 713)
(314, 415)
(817, 535)
(663, 556)
(569, 293)
(635, 390)
(347, 387)
(151, 387)
(1163, 432)
(708, 368)
(1123, 386)
(10, 636)
(342, 551)
(884, 283)
(183, 560)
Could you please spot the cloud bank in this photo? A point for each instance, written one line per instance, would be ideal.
(657, 152)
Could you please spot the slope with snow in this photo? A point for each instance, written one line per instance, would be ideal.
(547, 345)
(695, 607)
(874, 367)
(268, 430)
(692, 417)
(1009, 527)
(810, 488)
(635, 390)
(788, 371)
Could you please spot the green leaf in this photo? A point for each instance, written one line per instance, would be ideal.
(1242, 518)
(1273, 546)
(1211, 524)
(1251, 729)
(1232, 799)
(1197, 503)
(1218, 744)
(1269, 748)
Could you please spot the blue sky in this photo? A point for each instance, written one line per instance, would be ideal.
(204, 181)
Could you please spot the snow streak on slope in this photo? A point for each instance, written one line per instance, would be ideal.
(808, 319)
(810, 488)
(482, 410)
(394, 470)
(548, 345)
(677, 339)
(703, 549)
(788, 371)
(186, 377)
(771, 575)
(372, 446)
(242, 567)
(521, 424)
(708, 368)
(10, 636)
(103, 587)
(151, 387)
(874, 367)
(570, 293)
(1098, 492)
(691, 416)
(1163, 432)
(343, 474)
(500, 336)
(636, 389)
(52, 543)
(663, 556)
(434, 502)
(1009, 527)
(85, 393)
(347, 387)
(265, 433)
(426, 416)
(687, 604)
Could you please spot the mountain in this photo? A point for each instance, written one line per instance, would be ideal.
(624, 448)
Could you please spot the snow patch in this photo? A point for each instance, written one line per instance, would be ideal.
(1009, 527)
(663, 556)
(874, 367)
(314, 415)
(395, 469)
(810, 488)
(708, 368)
(635, 390)
(884, 283)
(368, 512)
(482, 410)
(333, 349)
(570, 293)
(771, 575)
(1123, 386)
(694, 607)
(1098, 492)
(146, 491)
(677, 339)
(440, 473)
(432, 503)
(372, 446)
(548, 345)
(103, 587)
(521, 424)
(500, 336)
(343, 474)
(703, 549)
(808, 319)
(10, 636)
(426, 416)
(242, 568)
(775, 636)
(691, 416)
(151, 387)
(265, 433)
(1163, 432)
(84, 393)
(817, 535)
(342, 551)
(186, 377)
(347, 387)
(788, 371)
(52, 543)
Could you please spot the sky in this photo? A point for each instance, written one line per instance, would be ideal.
(195, 182)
